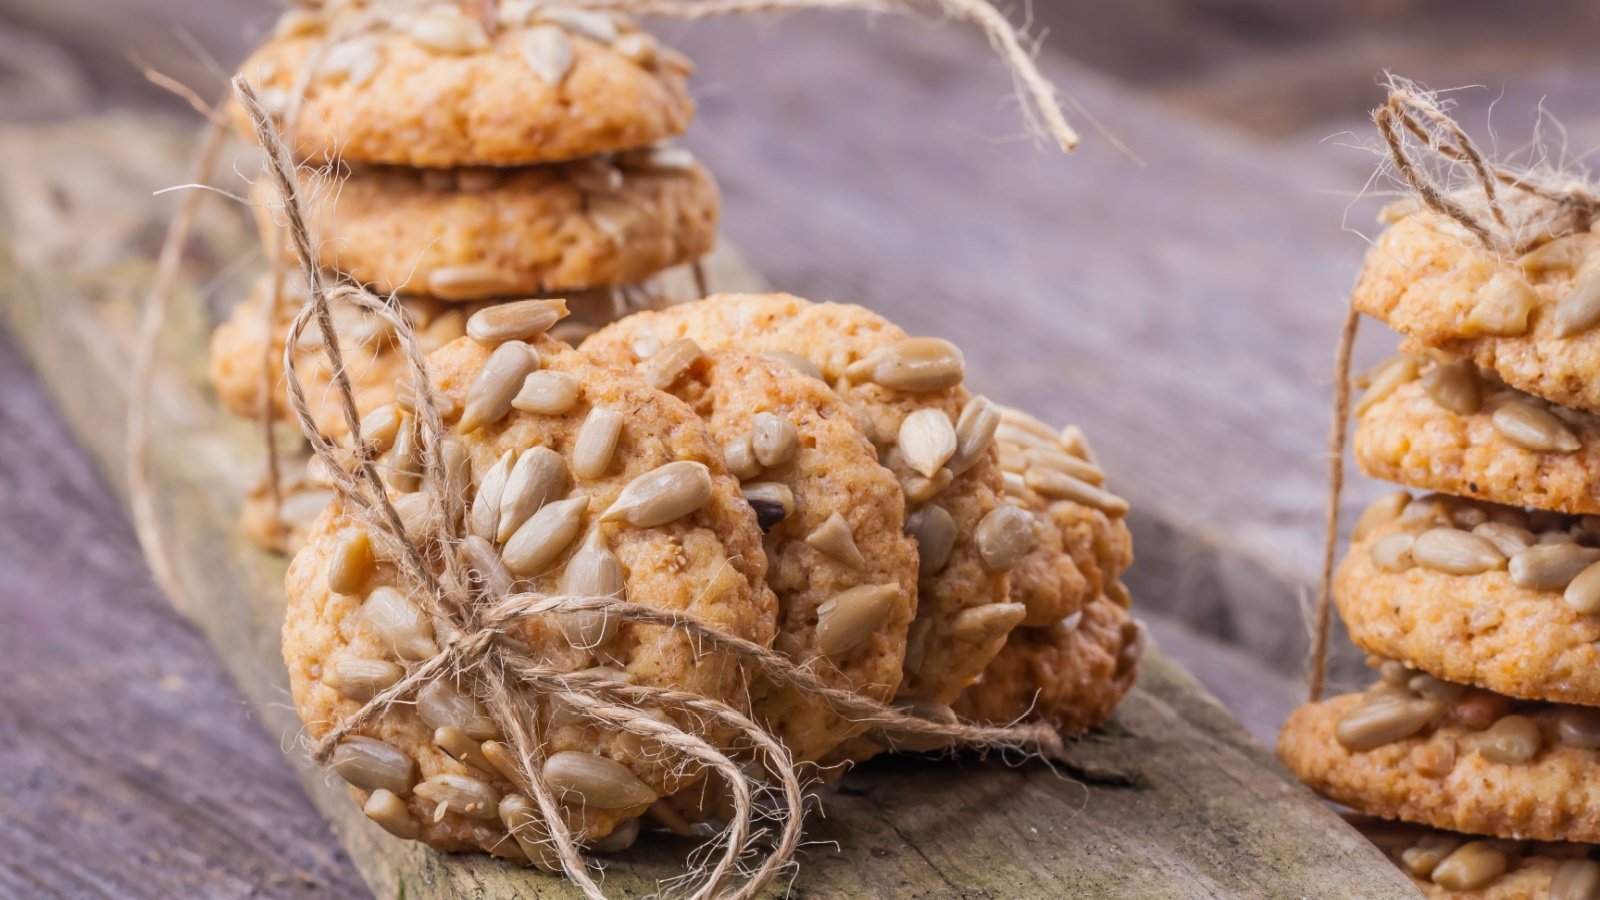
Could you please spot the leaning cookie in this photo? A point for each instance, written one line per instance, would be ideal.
(1449, 866)
(844, 571)
(439, 87)
(1454, 430)
(1530, 318)
(475, 234)
(1461, 759)
(1474, 594)
(610, 488)
(929, 432)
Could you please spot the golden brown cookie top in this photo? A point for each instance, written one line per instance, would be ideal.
(907, 392)
(1478, 594)
(578, 480)
(1527, 318)
(436, 86)
(1450, 866)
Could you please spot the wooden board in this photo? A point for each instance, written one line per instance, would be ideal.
(1207, 813)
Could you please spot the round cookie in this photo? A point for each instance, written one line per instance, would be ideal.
(433, 87)
(1506, 627)
(1456, 764)
(1435, 284)
(963, 610)
(667, 552)
(1494, 869)
(834, 523)
(475, 234)
(1497, 444)
(301, 502)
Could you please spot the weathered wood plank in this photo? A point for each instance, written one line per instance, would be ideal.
(1210, 813)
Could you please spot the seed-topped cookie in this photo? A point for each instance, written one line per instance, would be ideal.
(1495, 596)
(1450, 866)
(1436, 753)
(1530, 318)
(576, 480)
(927, 429)
(844, 571)
(473, 234)
(1454, 428)
(438, 86)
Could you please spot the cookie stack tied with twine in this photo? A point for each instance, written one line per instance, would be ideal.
(1479, 602)
(471, 153)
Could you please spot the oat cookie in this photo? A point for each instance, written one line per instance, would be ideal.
(1478, 594)
(1478, 869)
(284, 528)
(1454, 430)
(907, 393)
(434, 87)
(617, 488)
(474, 234)
(1451, 757)
(1435, 284)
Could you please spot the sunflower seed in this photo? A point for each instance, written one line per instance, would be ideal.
(462, 795)
(405, 461)
(1134, 636)
(911, 364)
(1004, 537)
(1388, 379)
(1432, 688)
(415, 516)
(372, 765)
(1470, 867)
(548, 52)
(833, 537)
(296, 23)
(596, 442)
(638, 47)
(353, 61)
(541, 540)
(626, 833)
(1455, 386)
(1534, 428)
(484, 561)
(1579, 310)
(1550, 567)
(398, 624)
(472, 281)
(1579, 726)
(1456, 552)
(927, 441)
(1383, 510)
(1010, 435)
(919, 490)
(1061, 486)
(1028, 423)
(1583, 593)
(516, 321)
(585, 779)
(1384, 720)
(665, 367)
(848, 618)
(646, 345)
(982, 624)
(485, 515)
(594, 175)
(380, 427)
(361, 679)
(539, 476)
(1562, 254)
(739, 456)
(1509, 741)
(593, 25)
(772, 501)
(772, 439)
(352, 563)
(489, 398)
(440, 705)
(1015, 485)
(935, 531)
(389, 811)
(1502, 305)
(1576, 879)
(793, 360)
(594, 571)
(1508, 539)
(525, 824)
(446, 29)
(461, 748)
(975, 431)
(547, 393)
(662, 495)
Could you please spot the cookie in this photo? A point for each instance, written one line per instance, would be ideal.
(963, 609)
(1461, 759)
(475, 234)
(1435, 284)
(239, 349)
(614, 488)
(1449, 866)
(1453, 430)
(435, 87)
(284, 527)
(1478, 594)
(844, 571)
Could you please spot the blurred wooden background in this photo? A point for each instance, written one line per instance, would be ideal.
(1183, 310)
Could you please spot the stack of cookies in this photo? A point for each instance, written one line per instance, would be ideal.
(1479, 603)
(803, 476)
(470, 153)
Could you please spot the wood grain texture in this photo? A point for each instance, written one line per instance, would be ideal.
(1208, 812)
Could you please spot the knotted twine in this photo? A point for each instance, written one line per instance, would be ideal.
(473, 619)
(1518, 206)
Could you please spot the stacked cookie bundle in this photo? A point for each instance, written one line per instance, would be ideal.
(473, 153)
(748, 506)
(1480, 604)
